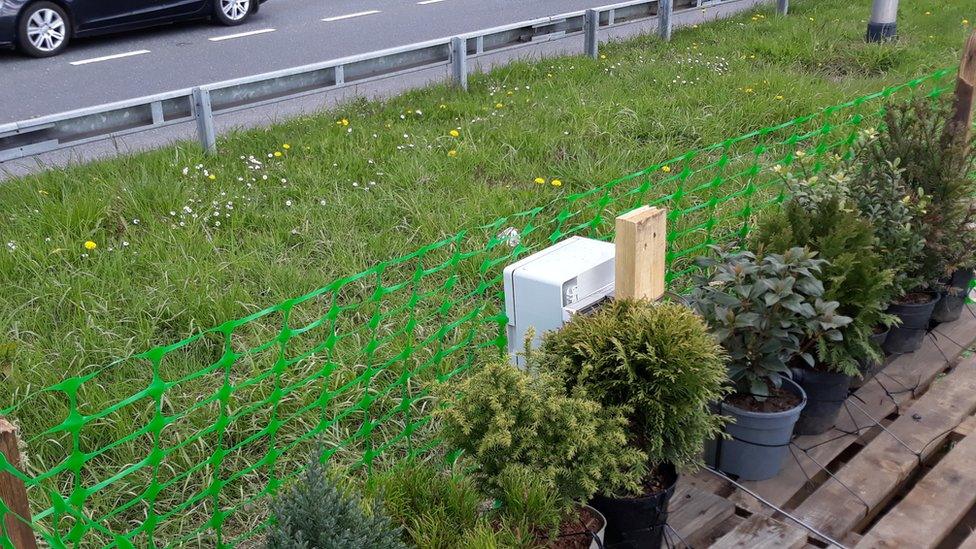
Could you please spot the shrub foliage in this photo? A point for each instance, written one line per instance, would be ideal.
(315, 514)
(768, 312)
(659, 361)
(510, 421)
(818, 218)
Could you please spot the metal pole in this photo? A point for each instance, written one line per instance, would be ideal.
(783, 7)
(205, 120)
(883, 22)
(664, 10)
(459, 62)
(591, 22)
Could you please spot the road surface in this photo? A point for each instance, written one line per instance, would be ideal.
(286, 33)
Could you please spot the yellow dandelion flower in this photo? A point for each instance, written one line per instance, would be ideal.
(548, 75)
(603, 57)
(498, 105)
(212, 177)
(779, 97)
(810, 18)
(286, 146)
(748, 90)
(666, 169)
(510, 93)
(454, 133)
(540, 180)
(43, 192)
(442, 106)
(89, 245)
(452, 153)
(965, 21)
(556, 183)
(928, 13)
(343, 122)
(277, 154)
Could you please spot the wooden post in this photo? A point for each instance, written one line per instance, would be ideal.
(13, 493)
(641, 248)
(961, 123)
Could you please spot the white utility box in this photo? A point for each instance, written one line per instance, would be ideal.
(544, 290)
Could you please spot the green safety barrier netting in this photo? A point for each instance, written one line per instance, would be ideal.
(217, 422)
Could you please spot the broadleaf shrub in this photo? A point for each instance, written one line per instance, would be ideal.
(658, 361)
(819, 218)
(767, 312)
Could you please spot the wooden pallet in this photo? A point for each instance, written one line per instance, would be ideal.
(911, 484)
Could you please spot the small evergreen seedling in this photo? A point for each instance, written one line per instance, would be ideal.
(315, 514)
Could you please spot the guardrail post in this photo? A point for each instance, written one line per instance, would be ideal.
(13, 493)
(459, 62)
(591, 23)
(664, 10)
(205, 120)
(783, 7)
(883, 24)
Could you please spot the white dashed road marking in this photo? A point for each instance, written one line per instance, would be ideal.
(109, 57)
(240, 35)
(350, 15)
(425, 2)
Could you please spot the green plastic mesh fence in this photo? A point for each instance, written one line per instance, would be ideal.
(183, 445)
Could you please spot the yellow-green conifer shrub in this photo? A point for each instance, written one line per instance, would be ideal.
(657, 360)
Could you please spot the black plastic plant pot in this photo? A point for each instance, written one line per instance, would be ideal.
(915, 317)
(870, 368)
(826, 393)
(759, 440)
(637, 523)
(949, 308)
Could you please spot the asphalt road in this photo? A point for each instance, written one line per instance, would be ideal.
(286, 33)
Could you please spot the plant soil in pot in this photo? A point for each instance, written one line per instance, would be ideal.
(583, 532)
(953, 299)
(638, 522)
(870, 368)
(759, 433)
(826, 393)
(915, 312)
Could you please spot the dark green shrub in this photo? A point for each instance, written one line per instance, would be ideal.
(656, 360)
(767, 312)
(509, 419)
(818, 217)
(315, 514)
(938, 169)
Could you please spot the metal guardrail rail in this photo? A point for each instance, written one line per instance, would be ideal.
(201, 104)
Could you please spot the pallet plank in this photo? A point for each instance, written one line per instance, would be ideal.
(934, 506)
(880, 468)
(762, 532)
(919, 368)
(694, 513)
(970, 542)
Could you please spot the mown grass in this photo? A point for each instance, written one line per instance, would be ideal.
(340, 198)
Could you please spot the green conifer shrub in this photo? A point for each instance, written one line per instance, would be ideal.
(316, 514)
(514, 422)
(767, 312)
(818, 216)
(938, 168)
(657, 361)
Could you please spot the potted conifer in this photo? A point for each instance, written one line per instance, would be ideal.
(767, 312)
(937, 163)
(819, 216)
(513, 423)
(659, 364)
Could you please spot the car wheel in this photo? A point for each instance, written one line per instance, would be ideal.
(44, 30)
(232, 12)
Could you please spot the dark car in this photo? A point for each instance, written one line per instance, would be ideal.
(42, 28)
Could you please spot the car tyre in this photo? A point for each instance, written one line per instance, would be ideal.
(233, 12)
(44, 30)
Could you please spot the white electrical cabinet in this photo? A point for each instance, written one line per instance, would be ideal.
(544, 290)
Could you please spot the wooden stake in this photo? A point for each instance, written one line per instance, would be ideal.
(641, 248)
(13, 492)
(961, 123)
